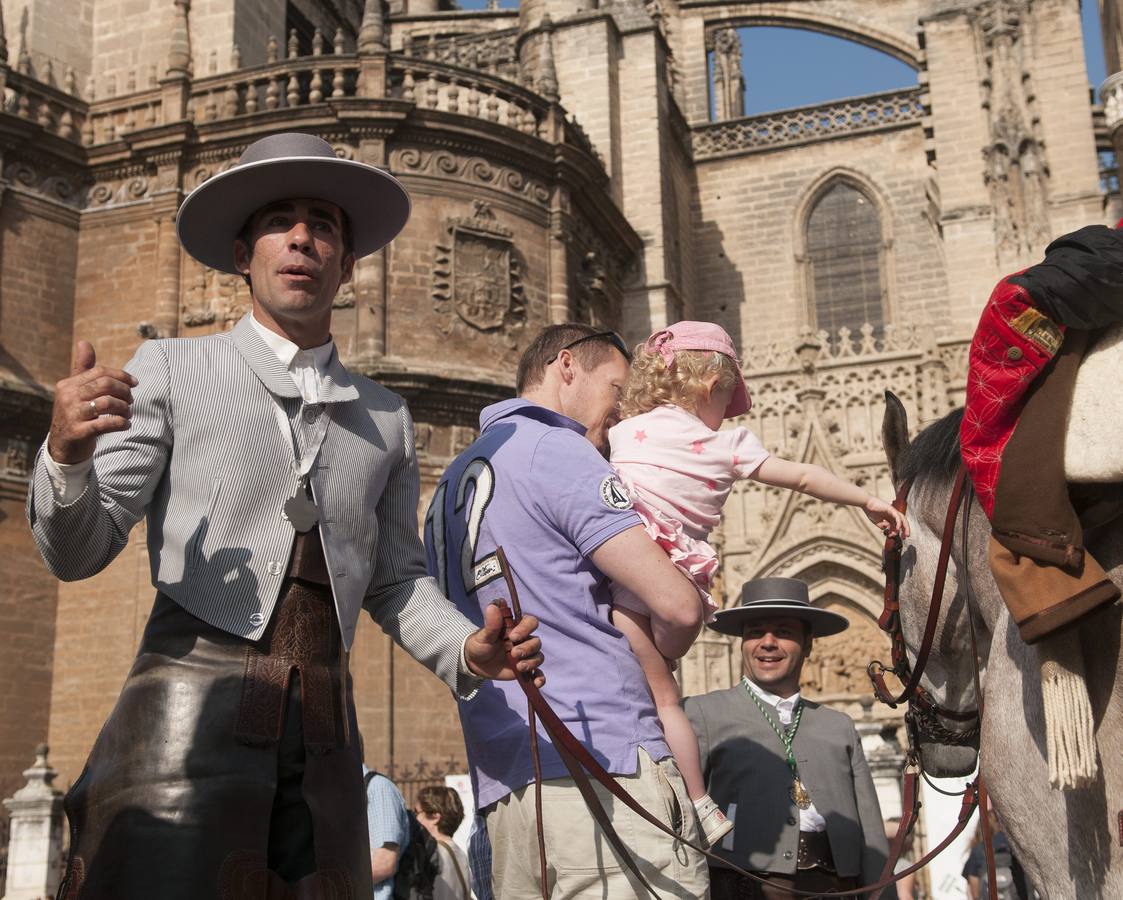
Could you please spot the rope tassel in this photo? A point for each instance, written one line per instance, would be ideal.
(1070, 736)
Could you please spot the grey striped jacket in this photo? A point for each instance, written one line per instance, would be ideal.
(206, 462)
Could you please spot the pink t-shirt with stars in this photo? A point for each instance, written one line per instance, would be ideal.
(673, 462)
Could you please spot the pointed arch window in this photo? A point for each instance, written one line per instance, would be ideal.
(844, 251)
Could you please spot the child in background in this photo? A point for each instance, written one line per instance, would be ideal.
(679, 468)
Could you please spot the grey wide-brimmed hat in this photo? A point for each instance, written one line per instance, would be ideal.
(773, 598)
(290, 166)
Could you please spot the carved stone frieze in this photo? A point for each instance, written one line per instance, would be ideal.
(835, 668)
(44, 182)
(445, 164)
(17, 454)
(477, 279)
(1015, 168)
(213, 297)
(106, 194)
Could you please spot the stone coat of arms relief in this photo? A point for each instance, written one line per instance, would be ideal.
(477, 279)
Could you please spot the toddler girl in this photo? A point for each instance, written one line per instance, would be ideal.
(685, 381)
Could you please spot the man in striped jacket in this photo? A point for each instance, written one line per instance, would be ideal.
(280, 492)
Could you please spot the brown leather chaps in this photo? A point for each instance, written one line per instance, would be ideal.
(227, 768)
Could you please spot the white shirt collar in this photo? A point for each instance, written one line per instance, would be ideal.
(289, 354)
(785, 703)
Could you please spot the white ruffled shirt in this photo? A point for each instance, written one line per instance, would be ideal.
(809, 819)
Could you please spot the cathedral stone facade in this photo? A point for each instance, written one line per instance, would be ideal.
(567, 160)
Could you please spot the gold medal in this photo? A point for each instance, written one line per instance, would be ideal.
(799, 795)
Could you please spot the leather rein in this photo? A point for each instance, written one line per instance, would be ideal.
(584, 768)
(924, 713)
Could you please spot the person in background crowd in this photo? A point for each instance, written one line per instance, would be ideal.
(388, 829)
(791, 773)
(906, 887)
(1010, 877)
(440, 812)
(479, 859)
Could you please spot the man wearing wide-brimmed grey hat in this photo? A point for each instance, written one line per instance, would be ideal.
(790, 773)
(280, 492)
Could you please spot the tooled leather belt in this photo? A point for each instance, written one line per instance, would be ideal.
(303, 637)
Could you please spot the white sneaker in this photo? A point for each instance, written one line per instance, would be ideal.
(714, 823)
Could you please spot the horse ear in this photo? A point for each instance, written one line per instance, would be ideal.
(894, 433)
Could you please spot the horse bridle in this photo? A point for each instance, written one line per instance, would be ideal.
(924, 714)
(584, 769)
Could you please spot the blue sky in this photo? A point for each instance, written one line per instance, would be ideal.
(787, 67)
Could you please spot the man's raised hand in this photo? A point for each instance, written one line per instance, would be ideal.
(91, 401)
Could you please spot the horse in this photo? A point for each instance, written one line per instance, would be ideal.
(1070, 842)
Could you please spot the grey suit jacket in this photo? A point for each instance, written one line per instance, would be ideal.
(206, 462)
(743, 761)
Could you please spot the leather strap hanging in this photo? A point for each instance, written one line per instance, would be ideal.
(579, 760)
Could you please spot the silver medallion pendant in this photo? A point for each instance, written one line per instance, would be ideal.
(301, 511)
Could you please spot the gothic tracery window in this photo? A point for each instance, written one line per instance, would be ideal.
(844, 248)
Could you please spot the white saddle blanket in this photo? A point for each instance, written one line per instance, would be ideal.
(1094, 438)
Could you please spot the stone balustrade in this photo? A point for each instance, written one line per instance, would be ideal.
(469, 92)
(856, 115)
(284, 84)
(456, 89)
(112, 118)
(493, 52)
(472, 76)
(58, 112)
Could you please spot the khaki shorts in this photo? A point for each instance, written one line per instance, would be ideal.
(580, 861)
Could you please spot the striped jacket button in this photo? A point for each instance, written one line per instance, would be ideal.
(257, 620)
(274, 568)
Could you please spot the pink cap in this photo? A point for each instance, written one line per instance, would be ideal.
(702, 336)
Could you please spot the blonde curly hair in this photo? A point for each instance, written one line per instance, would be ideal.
(651, 383)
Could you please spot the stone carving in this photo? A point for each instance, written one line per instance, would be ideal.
(344, 297)
(494, 52)
(108, 194)
(214, 297)
(478, 274)
(593, 304)
(729, 82)
(472, 169)
(837, 665)
(462, 438)
(422, 437)
(16, 456)
(47, 184)
(1015, 171)
(891, 109)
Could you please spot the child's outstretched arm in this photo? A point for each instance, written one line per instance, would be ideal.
(818, 482)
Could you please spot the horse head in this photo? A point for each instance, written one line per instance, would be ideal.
(941, 722)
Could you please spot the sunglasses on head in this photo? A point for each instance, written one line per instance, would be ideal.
(611, 336)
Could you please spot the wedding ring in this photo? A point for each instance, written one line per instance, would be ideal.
(93, 409)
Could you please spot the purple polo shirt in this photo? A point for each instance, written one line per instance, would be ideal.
(534, 485)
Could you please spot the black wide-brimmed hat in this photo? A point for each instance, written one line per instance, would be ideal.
(290, 166)
(771, 598)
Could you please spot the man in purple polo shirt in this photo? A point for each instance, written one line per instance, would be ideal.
(535, 484)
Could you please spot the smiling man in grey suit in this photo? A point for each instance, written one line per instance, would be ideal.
(281, 495)
(790, 773)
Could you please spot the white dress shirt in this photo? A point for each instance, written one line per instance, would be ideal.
(809, 819)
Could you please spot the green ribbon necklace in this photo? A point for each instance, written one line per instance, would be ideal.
(786, 735)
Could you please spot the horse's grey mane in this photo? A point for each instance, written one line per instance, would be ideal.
(934, 453)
